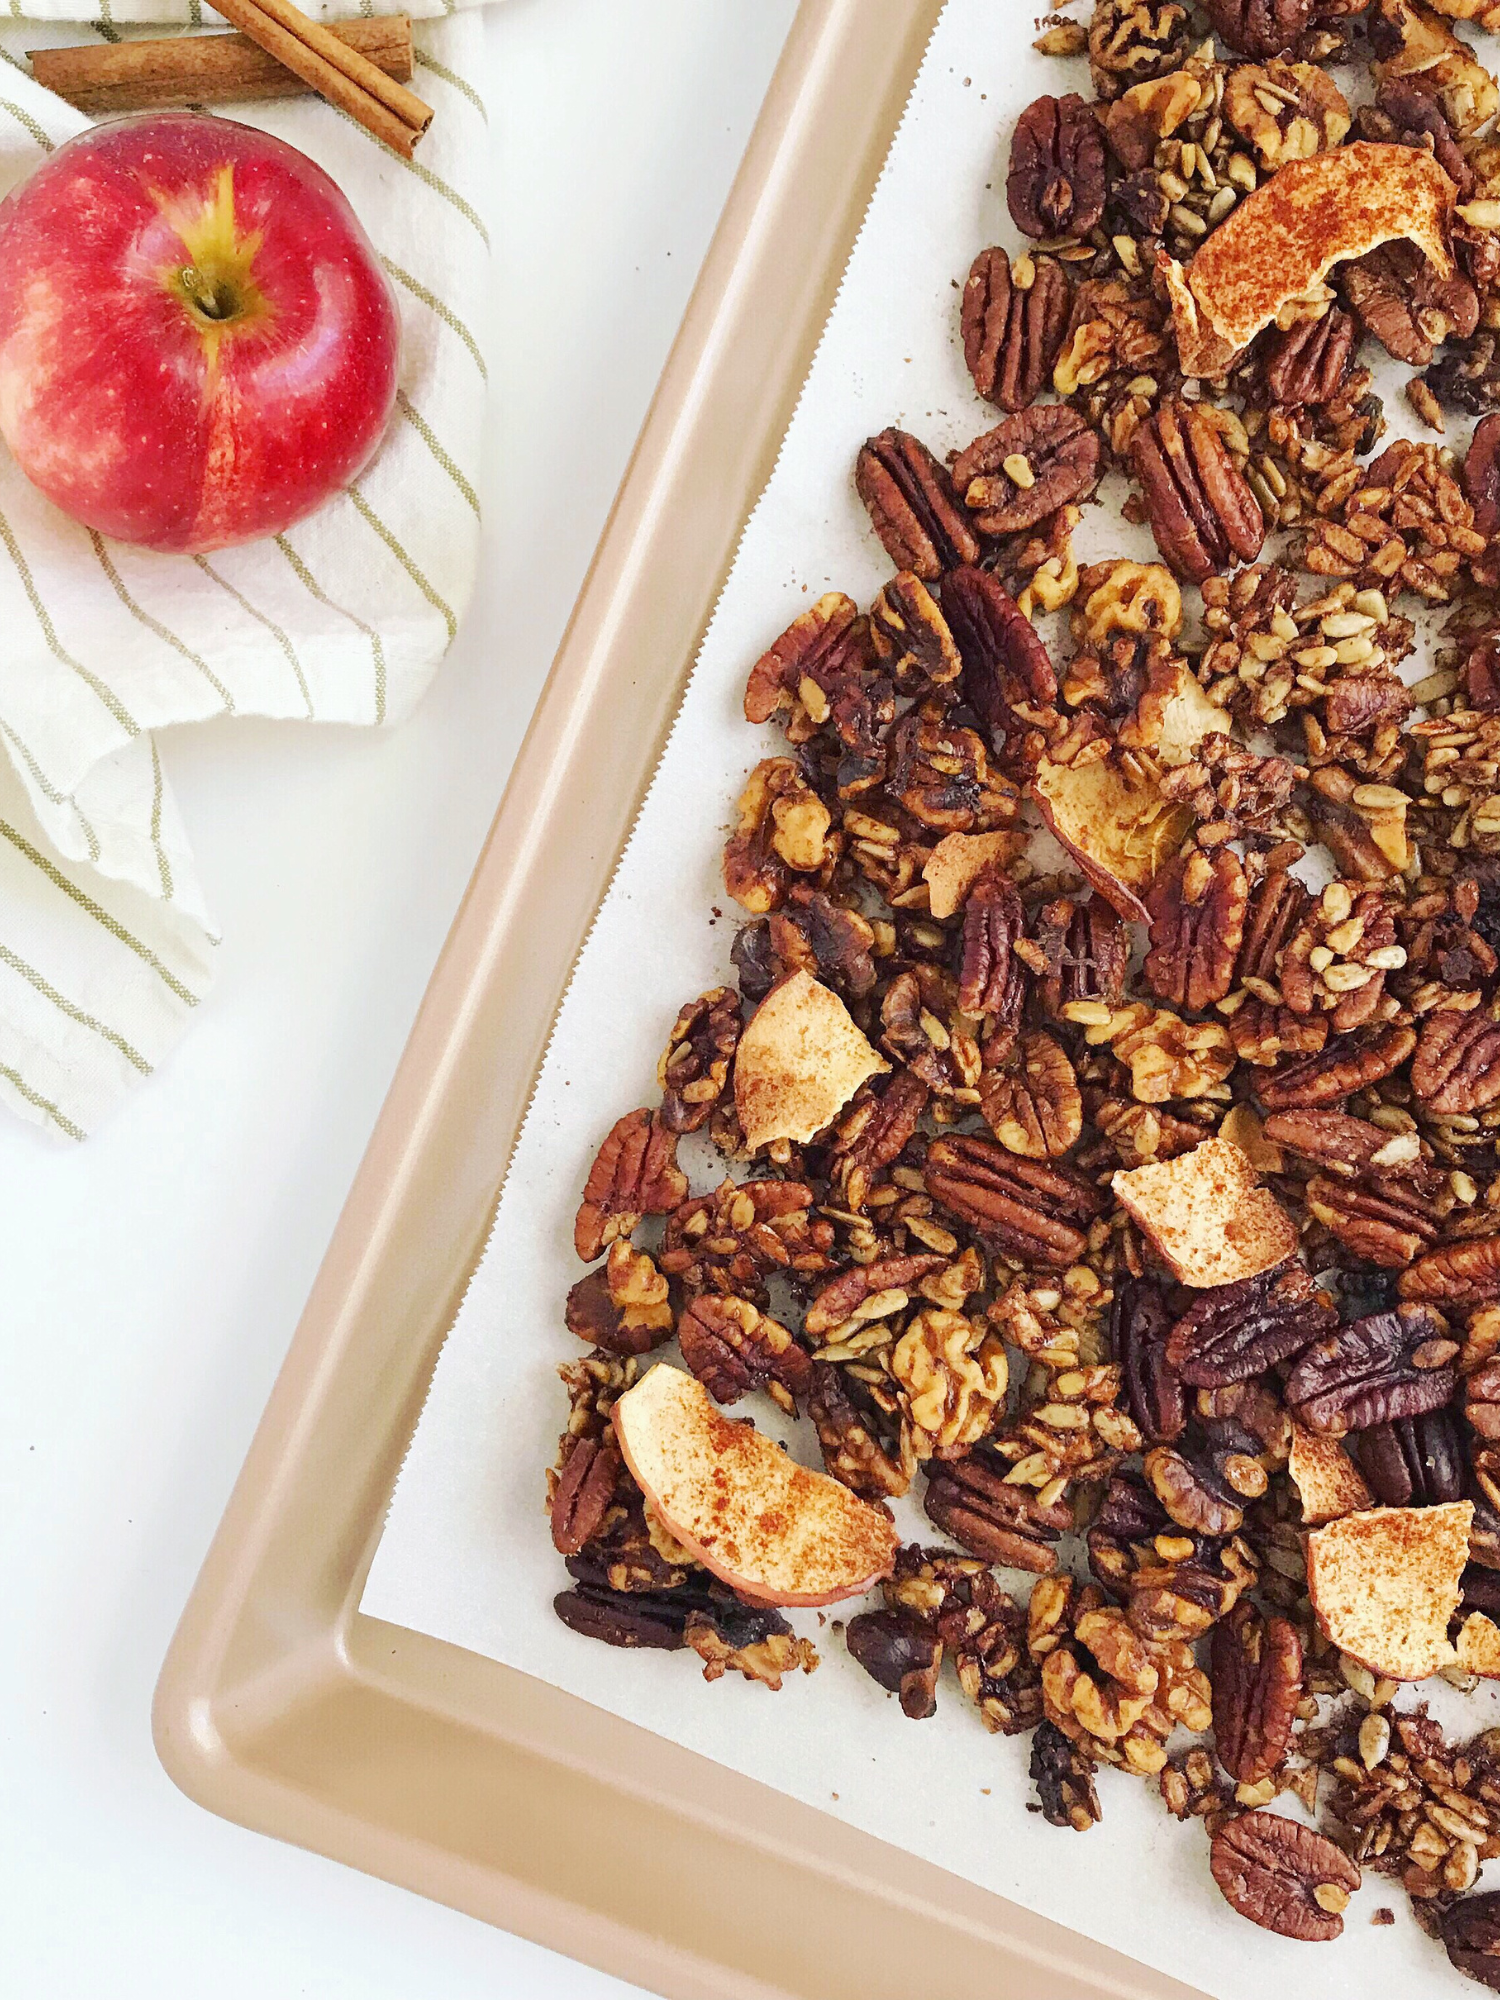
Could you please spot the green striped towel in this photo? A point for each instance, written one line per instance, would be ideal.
(105, 936)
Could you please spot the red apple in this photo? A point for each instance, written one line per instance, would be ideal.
(197, 343)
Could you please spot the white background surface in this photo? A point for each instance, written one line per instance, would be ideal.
(150, 1280)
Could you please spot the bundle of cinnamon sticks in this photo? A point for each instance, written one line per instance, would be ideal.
(360, 67)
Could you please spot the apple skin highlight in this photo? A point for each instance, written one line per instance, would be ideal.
(197, 343)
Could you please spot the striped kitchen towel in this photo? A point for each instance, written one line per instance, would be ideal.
(105, 936)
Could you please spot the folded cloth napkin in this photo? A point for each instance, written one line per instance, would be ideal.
(105, 938)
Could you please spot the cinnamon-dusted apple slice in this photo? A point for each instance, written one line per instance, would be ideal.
(1328, 1482)
(1282, 241)
(799, 1062)
(957, 859)
(1118, 827)
(1478, 1646)
(1385, 1585)
(1207, 1215)
(763, 1524)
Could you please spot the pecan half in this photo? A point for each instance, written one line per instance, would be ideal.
(1197, 911)
(1197, 1491)
(694, 1067)
(1456, 1276)
(584, 1493)
(1014, 317)
(635, 1173)
(1283, 1876)
(1386, 1223)
(1018, 1208)
(970, 1499)
(1416, 1462)
(733, 1347)
(1309, 362)
(1457, 1064)
(1027, 467)
(1374, 1371)
(1082, 954)
(991, 979)
(1342, 1068)
(1203, 514)
(1007, 677)
(822, 648)
(873, 1132)
(1395, 295)
(1470, 1931)
(1055, 185)
(889, 1280)
(912, 505)
(1033, 1105)
(1481, 474)
(1233, 1332)
(1256, 1671)
(1139, 1323)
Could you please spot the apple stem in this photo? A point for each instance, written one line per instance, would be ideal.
(214, 301)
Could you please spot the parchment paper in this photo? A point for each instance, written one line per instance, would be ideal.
(466, 1554)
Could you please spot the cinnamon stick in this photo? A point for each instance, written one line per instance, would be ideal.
(103, 78)
(336, 71)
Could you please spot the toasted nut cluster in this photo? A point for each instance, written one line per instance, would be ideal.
(1108, 1057)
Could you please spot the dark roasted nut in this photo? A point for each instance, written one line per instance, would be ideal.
(902, 1654)
(1310, 361)
(872, 1133)
(812, 932)
(781, 829)
(1182, 1585)
(850, 1434)
(1063, 1773)
(1283, 1876)
(1139, 1324)
(1364, 825)
(1395, 295)
(1197, 911)
(1195, 1493)
(1256, 1670)
(635, 1173)
(980, 1627)
(991, 979)
(922, 1028)
(941, 773)
(1260, 27)
(844, 1301)
(912, 505)
(1027, 467)
(911, 637)
(1014, 318)
(622, 1306)
(695, 1064)
(971, 1500)
(1481, 474)
(1285, 111)
(731, 1240)
(1018, 1208)
(1416, 118)
(1233, 1332)
(1386, 1223)
(584, 1492)
(749, 1639)
(1345, 1066)
(1133, 41)
(619, 1618)
(1343, 1144)
(1374, 1371)
(1470, 1931)
(1230, 789)
(1082, 955)
(1482, 1401)
(1032, 1104)
(1007, 677)
(1417, 1462)
(1456, 1276)
(821, 650)
(1272, 916)
(1457, 1064)
(1203, 515)
(1055, 186)
(733, 1347)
